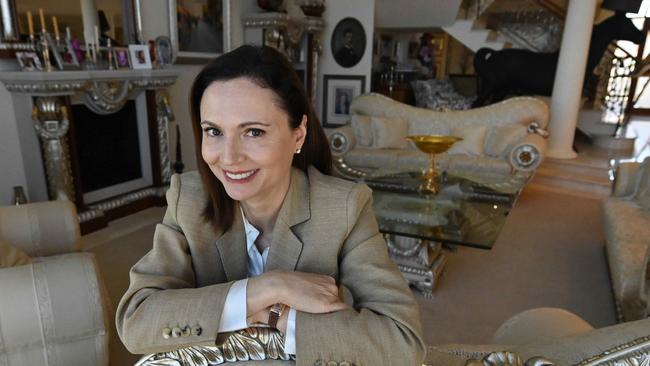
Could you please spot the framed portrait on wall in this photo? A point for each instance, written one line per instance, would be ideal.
(338, 92)
(199, 29)
(348, 42)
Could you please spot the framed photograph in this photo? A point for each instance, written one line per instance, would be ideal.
(121, 58)
(139, 56)
(339, 90)
(164, 51)
(29, 61)
(65, 56)
(199, 29)
(348, 42)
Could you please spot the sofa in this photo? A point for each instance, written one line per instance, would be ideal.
(499, 140)
(626, 217)
(53, 307)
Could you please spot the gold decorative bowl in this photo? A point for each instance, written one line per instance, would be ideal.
(432, 145)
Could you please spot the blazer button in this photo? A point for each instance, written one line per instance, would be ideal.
(166, 333)
(186, 331)
(196, 330)
(176, 332)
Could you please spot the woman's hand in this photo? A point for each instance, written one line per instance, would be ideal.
(308, 292)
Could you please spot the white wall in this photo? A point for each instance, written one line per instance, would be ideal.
(362, 10)
(415, 13)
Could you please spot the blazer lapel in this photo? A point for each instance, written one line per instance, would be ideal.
(285, 245)
(232, 249)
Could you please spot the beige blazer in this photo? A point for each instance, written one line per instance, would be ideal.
(325, 225)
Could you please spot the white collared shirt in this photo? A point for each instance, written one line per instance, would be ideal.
(233, 316)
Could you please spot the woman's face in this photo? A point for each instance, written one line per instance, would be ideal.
(247, 140)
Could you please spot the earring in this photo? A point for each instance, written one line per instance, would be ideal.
(298, 151)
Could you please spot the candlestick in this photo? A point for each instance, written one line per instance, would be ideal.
(55, 24)
(42, 16)
(67, 33)
(30, 24)
(96, 43)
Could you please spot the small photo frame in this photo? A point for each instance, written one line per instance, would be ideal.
(339, 90)
(139, 56)
(29, 61)
(121, 58)
(164, 51)
(64, 56)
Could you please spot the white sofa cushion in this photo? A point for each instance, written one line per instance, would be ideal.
(362, 129)
(473, 141)
(389, 133)
(499, 140)
(427, 126)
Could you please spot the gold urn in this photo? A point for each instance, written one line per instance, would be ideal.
(432, 145)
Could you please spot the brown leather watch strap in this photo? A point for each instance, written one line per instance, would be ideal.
(274, 314)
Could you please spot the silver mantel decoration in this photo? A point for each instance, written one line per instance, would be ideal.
(165, 115)
(51, 124)
(251, 344)
(106, 97)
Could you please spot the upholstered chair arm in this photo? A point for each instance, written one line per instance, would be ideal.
(52, 311)
(631, 267)
(622, 344)
(527, 154)
(626, 177)
(342, 140)
(42, 228)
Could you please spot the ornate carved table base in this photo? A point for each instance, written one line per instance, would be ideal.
(420, 261)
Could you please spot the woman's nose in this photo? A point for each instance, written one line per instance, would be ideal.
(232, 153)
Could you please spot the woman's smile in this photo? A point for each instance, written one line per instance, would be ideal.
(241, 176)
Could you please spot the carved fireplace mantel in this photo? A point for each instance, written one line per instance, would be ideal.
(49, 95)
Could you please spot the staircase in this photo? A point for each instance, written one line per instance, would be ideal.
(497, 24)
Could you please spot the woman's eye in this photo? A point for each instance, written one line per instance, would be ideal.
(255, 132)
(212, 132)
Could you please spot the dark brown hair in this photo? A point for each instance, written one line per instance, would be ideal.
(269, 69)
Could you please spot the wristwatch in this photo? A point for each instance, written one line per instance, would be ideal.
(274, 314)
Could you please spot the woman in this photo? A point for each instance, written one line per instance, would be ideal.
(263, 235)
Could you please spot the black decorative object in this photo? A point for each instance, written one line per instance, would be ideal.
(627, 6)
(178, 164)
(348, 42)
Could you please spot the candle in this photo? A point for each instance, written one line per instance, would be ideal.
(67, 33)
(55, 24)
(30, 23)
(42, 16)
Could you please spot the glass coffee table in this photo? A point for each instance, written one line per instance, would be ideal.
(466, 212)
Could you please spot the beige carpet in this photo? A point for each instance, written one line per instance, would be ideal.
(550, 253)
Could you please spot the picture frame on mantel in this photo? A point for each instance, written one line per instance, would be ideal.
(195, 39)
(338, 92)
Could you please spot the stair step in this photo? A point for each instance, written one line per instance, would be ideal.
(572, 186)
(590, 168)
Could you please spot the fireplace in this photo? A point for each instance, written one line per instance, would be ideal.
(112, 150)
(95, 137)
